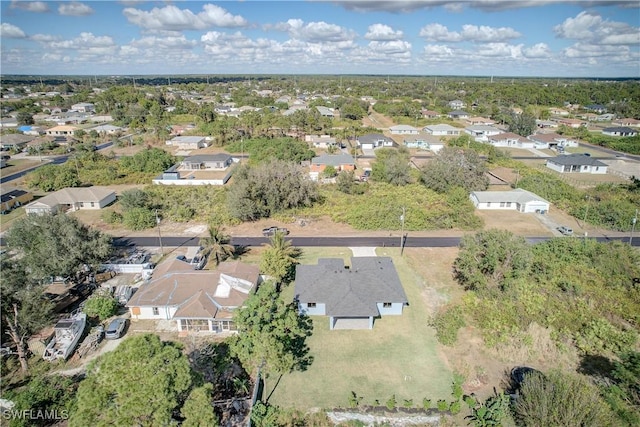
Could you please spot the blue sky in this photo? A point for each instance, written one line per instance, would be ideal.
(539, 38)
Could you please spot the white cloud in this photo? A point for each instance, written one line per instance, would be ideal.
(74, 9)
(10, 31)
(43, 38)
(315, 32)
(395, 47)
(382, 32)
(587, 26)
(172, 18)
(170, 42)
(84, 41)
(30, 6)
(472, 33)
(540, 50)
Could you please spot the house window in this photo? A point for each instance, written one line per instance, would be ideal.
(597, 168)
(156, 311)
(92, 204)
(386, 305)
(311, 305)
(502, 204)
(508, 204)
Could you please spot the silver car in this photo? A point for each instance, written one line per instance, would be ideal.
(115, 329)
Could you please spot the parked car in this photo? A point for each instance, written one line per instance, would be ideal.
(270, 231)
(366, 175)
(565, 230)
(115, 329)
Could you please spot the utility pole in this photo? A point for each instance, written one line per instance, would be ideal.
(584, 221)
(159, 233)
(402, 230)
(633, 227)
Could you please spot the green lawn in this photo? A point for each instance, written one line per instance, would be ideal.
(399, 356)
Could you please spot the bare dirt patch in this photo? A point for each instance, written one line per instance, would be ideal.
(523, 224)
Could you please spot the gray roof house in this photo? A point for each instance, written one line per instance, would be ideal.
(519, 199)
(619, 131)
(351, 296)
(579, 163)
(375, 140)
(208, 161)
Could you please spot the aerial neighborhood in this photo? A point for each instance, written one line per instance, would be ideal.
(284, 248)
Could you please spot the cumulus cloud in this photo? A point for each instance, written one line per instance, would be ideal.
(84, 41)
(74, 9)
(539, 50)
(472, 33)
(590, 27)
(30, 6)
(169, 42)
(175, 19)
(382, 32)
(10, 31)
(407, 6)
(315, 32)
(43, 38)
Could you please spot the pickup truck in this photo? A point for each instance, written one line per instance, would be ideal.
(270, 231)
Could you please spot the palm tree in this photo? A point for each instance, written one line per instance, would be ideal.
(217, 244)
(280, 258)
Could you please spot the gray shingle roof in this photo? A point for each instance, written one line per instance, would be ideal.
(576, 160)
(518, 195)
(220, 157)
(350, 292)
(333, 160)
(373, 138)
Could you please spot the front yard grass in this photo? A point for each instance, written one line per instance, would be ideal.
(398, 357)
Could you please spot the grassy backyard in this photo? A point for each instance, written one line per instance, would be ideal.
(399, 356)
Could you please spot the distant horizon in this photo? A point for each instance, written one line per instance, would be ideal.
(503, 38)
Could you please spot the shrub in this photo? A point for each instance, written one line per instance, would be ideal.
(442, 405)
(454, 408)
(354, 400)
(426, 403)
(407, 403)
(447, 324)
(111, 217)
(139, 218)
(391, 403)
(100, 305)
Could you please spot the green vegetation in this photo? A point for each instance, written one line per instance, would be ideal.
(279, 259)
(266, 149)
(101, 305)
(216, 244)
(391, 166)
(455, 167)
(561, 399)
(142, 382)
(381, 206)
(446, 323)
(588, 282)
(265, 189)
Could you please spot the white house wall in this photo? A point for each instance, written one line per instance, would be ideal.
(394, 310)
(319, 310)
(146, 313)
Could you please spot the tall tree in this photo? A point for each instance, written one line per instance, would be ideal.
(391, 166)
(57, 245)
(143, 382)
(24, 311)
(279, 259)
(272, 335)
(455, 167)
(522, 124)
(217, 245)
(198, 410)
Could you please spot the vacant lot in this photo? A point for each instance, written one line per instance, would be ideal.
(18, 165)
(399, 356)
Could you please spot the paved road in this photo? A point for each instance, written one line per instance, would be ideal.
(415, 242)
(57, 160)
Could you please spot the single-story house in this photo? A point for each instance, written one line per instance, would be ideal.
(442, 130)
(510, 139)
(481, 133)
(352, 296)
(106, 129)
(518, 199)
(619, 131)
(423, 141)
(554, 111)
(14, 198)
(480, 121)
(458, 114)
(341, 162)
(572, 123)
(546, 124)
(578, 163)
(188, 142)
(84, 107)
(63, 130)
(375, 140)
(72, 198)
(198, 300)
(456, 104)
(14, 141)
(207, 161)
(403, 130)
(326, 111)
(552, 140)
(430, 114)
(626, 122)
(321, 141)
